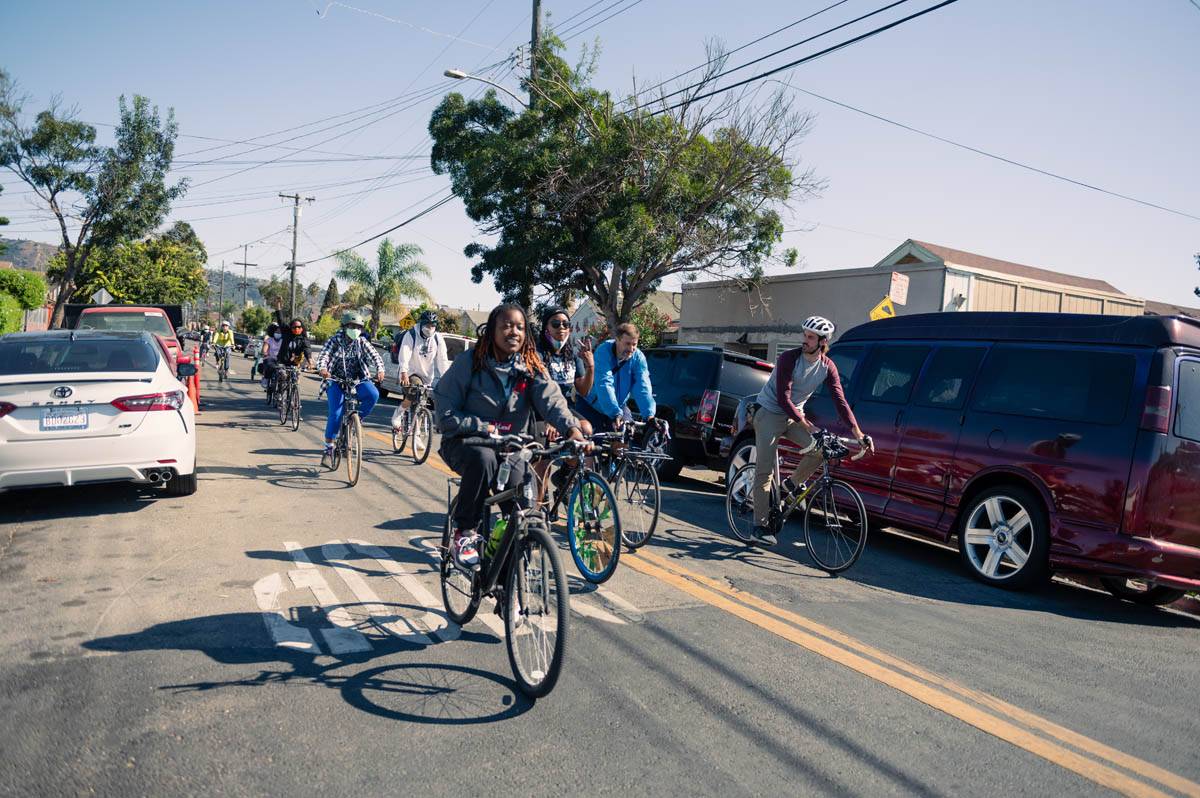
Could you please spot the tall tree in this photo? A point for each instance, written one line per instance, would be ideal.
(99, 195)
(3, 222)
(393, 278)
(161, 269)
(331, 296)
(273, 288)
(584, 199)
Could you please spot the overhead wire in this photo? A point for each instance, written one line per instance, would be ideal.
(582, 31)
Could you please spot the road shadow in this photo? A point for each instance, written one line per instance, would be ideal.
(365, 559)
(21, 505)
(419, 692)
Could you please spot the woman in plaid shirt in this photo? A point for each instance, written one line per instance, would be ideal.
(348, 356)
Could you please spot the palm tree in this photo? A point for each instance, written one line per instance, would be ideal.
(390, 281)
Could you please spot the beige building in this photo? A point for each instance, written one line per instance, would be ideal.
(766, 321)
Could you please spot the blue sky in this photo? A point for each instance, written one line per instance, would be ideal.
(1100, 91)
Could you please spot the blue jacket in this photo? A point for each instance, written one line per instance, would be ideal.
(611, 389)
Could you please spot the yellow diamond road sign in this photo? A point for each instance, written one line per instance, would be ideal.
(884, 310)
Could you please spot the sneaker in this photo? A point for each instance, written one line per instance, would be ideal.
(465, 554)
(763, 537)
(327, 457)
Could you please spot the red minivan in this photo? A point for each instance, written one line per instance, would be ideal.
(1043, 442)
(131, 318)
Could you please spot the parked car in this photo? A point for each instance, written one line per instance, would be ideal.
(1044, 442)
(697, 389)
(130, 318)
(83, 406)
(253, 348)
(455, 346)
(239, 341)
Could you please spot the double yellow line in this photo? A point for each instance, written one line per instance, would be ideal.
(1089, 758)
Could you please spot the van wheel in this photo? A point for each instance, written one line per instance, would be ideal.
(741, 454)
(1004, 538)
(1139, 591)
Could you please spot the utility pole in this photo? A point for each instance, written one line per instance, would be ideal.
(535, 37)
(295, 198)
(245, 266)
(221, 301)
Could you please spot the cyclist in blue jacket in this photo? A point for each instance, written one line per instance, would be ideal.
(621, 370)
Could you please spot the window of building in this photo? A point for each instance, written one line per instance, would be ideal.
(892, 371)
(1066, 384)
(1187, 401)
(948, 378)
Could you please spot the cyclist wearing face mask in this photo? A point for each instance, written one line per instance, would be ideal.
(347, 355)
(423, 355)
(270, 351)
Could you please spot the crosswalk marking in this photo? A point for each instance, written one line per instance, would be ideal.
(386, 619)
(342, 638)
(435, 619)
(286, 635)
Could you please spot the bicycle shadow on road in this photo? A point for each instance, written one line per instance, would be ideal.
(418, 692)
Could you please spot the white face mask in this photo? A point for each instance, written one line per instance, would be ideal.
(352, 333)
(426, 330)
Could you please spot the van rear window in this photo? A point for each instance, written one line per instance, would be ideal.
(1187, 401)
(1066, 384)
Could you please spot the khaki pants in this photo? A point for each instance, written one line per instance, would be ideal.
(769, 429)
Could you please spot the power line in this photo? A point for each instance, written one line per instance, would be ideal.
(430, 209)
(816, 55)
(606, 19)
(584, 10)
(568, 29)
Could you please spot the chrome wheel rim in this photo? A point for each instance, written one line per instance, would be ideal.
(998, 537)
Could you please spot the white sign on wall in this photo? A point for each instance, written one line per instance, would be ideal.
(898, 293)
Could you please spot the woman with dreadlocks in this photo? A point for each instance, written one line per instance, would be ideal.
(492, 389)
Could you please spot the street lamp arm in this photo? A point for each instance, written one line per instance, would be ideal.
(458, 74)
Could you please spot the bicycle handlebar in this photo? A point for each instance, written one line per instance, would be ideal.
(821, 437)
(523, 442)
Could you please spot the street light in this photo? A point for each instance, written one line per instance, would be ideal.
(458, 74)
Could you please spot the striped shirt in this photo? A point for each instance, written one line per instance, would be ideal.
(346, 359)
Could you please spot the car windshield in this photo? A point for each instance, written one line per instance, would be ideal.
(127, 321)
(64, 356)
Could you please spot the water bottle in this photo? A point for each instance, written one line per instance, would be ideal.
(502, 475)
(497, 533)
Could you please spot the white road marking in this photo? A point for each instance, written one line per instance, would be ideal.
(298, 554)
(395, 625)
(589, 610)
(435, 619)
(485, 614)
(343, 638)
(619, 601)
(286, 635)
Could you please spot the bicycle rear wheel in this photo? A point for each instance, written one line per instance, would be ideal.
(739, 502)
(835, 526)
(294, 405)
(638, 500)
(353, 448)
(280, 398)
(594, 528)
(460, 591)
(400, 436)
(422, 434)
(339, 444)
(537, 606)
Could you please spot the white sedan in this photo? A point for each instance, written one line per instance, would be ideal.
(87, 406)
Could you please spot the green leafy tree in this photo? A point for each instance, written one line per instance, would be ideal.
(28, 288)
(3, 221)
(99, 195)
(254, 320)
(325, 327)
(393, 278)
(10, 313)
(331, 296)
(272, 289)
(579, 198)
(651, 324)
(158, 270)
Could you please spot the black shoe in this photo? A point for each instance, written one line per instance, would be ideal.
(763, 537)
(789, 487)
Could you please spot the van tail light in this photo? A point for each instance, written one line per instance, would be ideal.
(1156, 414)
(6, 408)
(171, 400)
(708, 407)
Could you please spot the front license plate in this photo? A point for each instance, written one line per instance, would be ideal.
(64, 418)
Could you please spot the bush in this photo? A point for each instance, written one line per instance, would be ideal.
(325, 328)
(27, 288)
(10, 313)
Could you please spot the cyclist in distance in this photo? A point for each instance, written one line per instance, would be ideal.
(272, 340)
(422, 354)
(223, 341)
(620, 370)
(491, 389)
(798, 374)
(205, 342)
(571, 365)
(348, 356)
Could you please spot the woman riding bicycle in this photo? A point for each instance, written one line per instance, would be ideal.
(293, 344)
(223, 343)
(488, 390)
(797, 376)
(268, 356)
(348, 356)
(571, 366)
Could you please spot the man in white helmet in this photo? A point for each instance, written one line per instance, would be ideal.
(798, 374)
(422, 354)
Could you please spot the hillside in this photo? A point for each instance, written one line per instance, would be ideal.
(28, 255)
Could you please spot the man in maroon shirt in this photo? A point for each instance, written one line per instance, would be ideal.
(797, 376)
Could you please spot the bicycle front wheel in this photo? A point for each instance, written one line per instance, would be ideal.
(460, 591)
(638, 500)
(353, 448)
(594, 528)
(280, 397)
(537, 606)
(294, 405)
(739, 503)
(422, 434)
(835, 526)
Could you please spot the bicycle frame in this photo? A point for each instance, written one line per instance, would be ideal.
(826, 477)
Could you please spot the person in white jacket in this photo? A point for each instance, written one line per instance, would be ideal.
(422, 354)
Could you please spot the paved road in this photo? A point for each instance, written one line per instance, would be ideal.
(280, 633)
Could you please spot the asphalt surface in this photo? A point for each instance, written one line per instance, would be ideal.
(280, 633)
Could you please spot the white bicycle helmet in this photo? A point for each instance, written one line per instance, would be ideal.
(818, 325)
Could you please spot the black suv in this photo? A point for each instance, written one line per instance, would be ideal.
(697, 389)
(239, 341)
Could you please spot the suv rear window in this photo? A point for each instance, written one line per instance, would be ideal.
(740, 378)
(1064, 384)
(63, 356)
(1187, 401)
(681, 370)
(126, 321)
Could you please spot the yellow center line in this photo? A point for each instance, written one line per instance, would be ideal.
(717, 595)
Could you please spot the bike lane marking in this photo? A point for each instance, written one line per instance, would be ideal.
(747, 607)
(389, 621)
(343, 637)
(435, 618)
(286, 635)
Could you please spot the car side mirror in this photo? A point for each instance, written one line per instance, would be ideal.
(186, 370)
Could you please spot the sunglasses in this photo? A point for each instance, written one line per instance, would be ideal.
(297, 326)
(558, 324)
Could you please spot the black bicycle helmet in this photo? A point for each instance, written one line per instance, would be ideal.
(428, 317)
